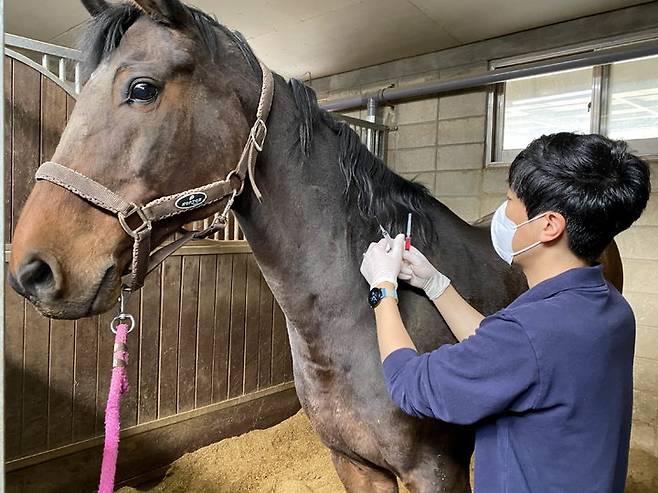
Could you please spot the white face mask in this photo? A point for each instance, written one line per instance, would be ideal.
(502, 233)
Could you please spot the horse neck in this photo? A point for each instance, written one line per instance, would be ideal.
(306, 241)
(298, 233)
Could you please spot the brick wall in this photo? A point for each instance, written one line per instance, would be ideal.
(440, 143)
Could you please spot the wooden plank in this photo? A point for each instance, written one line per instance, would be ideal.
(187, 333)
(155, 447)
(236, 343)
(170, 310)
(265, 336)
(149, 348)
(35, 382)
(129, 401)
(25, 148)
(207, 273)
(53, 117)
(251, 326)
(221, 335)
(60, 387)
(84, 387)
(103, 367)
(9, 118)
(279, 346)
(14, 326)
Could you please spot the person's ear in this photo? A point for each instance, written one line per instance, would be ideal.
(171, 12)
(554, 224)
(95, 7)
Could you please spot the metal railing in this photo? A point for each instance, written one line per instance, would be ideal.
(58, 63)
(373, 135)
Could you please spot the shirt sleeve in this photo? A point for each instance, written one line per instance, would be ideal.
(493, 371)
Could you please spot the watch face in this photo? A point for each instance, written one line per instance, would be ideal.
(374, 297)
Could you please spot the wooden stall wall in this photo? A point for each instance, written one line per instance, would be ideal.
(209, 358)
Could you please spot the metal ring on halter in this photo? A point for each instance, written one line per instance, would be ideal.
(122, 318)
(234, 174)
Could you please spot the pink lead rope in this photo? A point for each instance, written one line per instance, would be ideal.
(118, 387)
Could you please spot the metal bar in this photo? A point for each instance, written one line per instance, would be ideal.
(388, 95)
(77, 82)
(2, 264)
(62, 69)
(236, 227)
(33, 45)
(44, 61)
(372, 117)
(355, 122)
(605, 99)
(595, 101)
(67, 86)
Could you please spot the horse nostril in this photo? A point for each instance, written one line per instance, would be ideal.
(37, 278)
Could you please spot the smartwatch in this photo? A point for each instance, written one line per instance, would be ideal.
(378, 294)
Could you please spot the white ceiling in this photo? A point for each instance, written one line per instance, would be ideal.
(324, 37)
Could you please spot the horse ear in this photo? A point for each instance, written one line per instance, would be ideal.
(95, 7)
(172, 12)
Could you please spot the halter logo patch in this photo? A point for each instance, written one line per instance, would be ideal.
(191, 200)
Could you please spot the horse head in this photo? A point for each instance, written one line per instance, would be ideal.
(167, 108)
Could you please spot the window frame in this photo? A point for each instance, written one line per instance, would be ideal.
(600, 85)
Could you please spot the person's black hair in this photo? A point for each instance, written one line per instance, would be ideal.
(594, 182)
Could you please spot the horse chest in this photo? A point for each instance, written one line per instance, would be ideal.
(329, 397)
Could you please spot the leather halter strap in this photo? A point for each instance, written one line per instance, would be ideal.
(137, 220)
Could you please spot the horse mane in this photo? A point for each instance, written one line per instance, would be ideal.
(377, 194)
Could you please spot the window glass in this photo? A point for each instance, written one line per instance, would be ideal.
(545, 104)
(632, 109)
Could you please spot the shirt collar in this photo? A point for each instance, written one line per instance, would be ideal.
(578, 277)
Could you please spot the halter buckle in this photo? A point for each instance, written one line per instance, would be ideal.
(258, 134)
(144, 226)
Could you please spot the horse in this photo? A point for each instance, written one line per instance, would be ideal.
(167, 108)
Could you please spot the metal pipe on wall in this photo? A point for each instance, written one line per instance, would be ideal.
(390, 95)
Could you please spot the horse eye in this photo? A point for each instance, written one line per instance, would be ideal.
(143, 92)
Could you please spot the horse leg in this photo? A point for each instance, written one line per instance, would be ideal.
(358, 478)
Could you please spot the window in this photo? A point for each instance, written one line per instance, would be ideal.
(631, 111)
(619, 100)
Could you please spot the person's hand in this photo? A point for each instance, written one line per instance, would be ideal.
(420, 273)
(382, 261)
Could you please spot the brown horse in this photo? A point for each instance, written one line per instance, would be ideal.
(168, 108)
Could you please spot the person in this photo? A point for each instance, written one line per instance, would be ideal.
(547, 381)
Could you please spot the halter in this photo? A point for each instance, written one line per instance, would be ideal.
(137, 220)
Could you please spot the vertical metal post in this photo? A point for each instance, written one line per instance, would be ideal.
(76, 78)
(62, 69)
(595, 101)
(2, 255)
(44, 61)
(236, 227)
(372, 117)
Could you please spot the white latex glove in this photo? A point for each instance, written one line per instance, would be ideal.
(382, 261)
(418, 272)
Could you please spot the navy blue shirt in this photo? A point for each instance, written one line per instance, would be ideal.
(548, 382)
